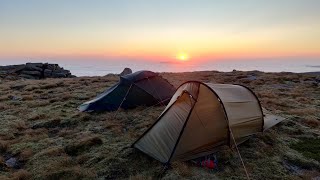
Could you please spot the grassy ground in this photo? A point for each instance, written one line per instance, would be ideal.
(41, 128)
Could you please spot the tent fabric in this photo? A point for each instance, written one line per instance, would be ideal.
(140, 88)
(198, 120)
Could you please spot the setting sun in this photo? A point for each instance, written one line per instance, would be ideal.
(182, 57)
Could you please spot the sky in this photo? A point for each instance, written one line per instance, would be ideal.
(159, 29)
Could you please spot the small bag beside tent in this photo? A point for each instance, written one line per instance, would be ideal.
(200, 118)
(137, 89)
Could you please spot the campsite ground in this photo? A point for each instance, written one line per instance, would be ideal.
(43, 136)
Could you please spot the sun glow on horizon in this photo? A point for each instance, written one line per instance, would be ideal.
(182, 56)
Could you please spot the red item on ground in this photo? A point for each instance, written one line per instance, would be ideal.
(208, 164)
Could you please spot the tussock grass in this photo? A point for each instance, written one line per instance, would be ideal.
(182, 169)
(309, 147)
(41, 127)
(309, 111)
(3, 146)
(84, 144)
(313, 122)
(21, 174)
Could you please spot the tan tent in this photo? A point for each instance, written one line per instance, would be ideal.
(200, 118)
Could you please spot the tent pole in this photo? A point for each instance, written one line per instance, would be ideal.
(244, 167)
(122, 101)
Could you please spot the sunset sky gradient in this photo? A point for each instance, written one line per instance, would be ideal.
(159, 29)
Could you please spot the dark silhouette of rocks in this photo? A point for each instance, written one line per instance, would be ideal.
(34, 71)
(126, 71)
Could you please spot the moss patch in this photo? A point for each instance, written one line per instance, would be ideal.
(309, 147)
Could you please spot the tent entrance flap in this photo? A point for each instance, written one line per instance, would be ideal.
(160, 140)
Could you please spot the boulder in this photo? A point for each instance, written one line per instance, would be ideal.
(26, 76)
(12, 68)
(34, 64)
(58, 75)
(32, 73)
(47, 73)
(53, 67)
(126, 71)
(33, 67)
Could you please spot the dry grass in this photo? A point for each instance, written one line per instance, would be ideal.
(4, 107)
(42, 128)
(21, 174)
(51, 151)
(25, 154)
(309, 111)
(140, 177)
(182, 169)
(19, 125)
(28, 97)
(312, 121)
(4, 145)
(82, 145)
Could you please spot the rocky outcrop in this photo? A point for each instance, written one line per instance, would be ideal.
(34, 71)
(126, 71)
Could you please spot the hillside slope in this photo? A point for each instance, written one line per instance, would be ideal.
(43, 136)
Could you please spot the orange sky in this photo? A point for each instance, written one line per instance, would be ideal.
(204, 30)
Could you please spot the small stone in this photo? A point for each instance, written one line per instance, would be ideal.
(18, 86)
(15, 98)
(12, 162)
(252, 77)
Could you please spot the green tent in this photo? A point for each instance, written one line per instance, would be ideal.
(142, 88)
